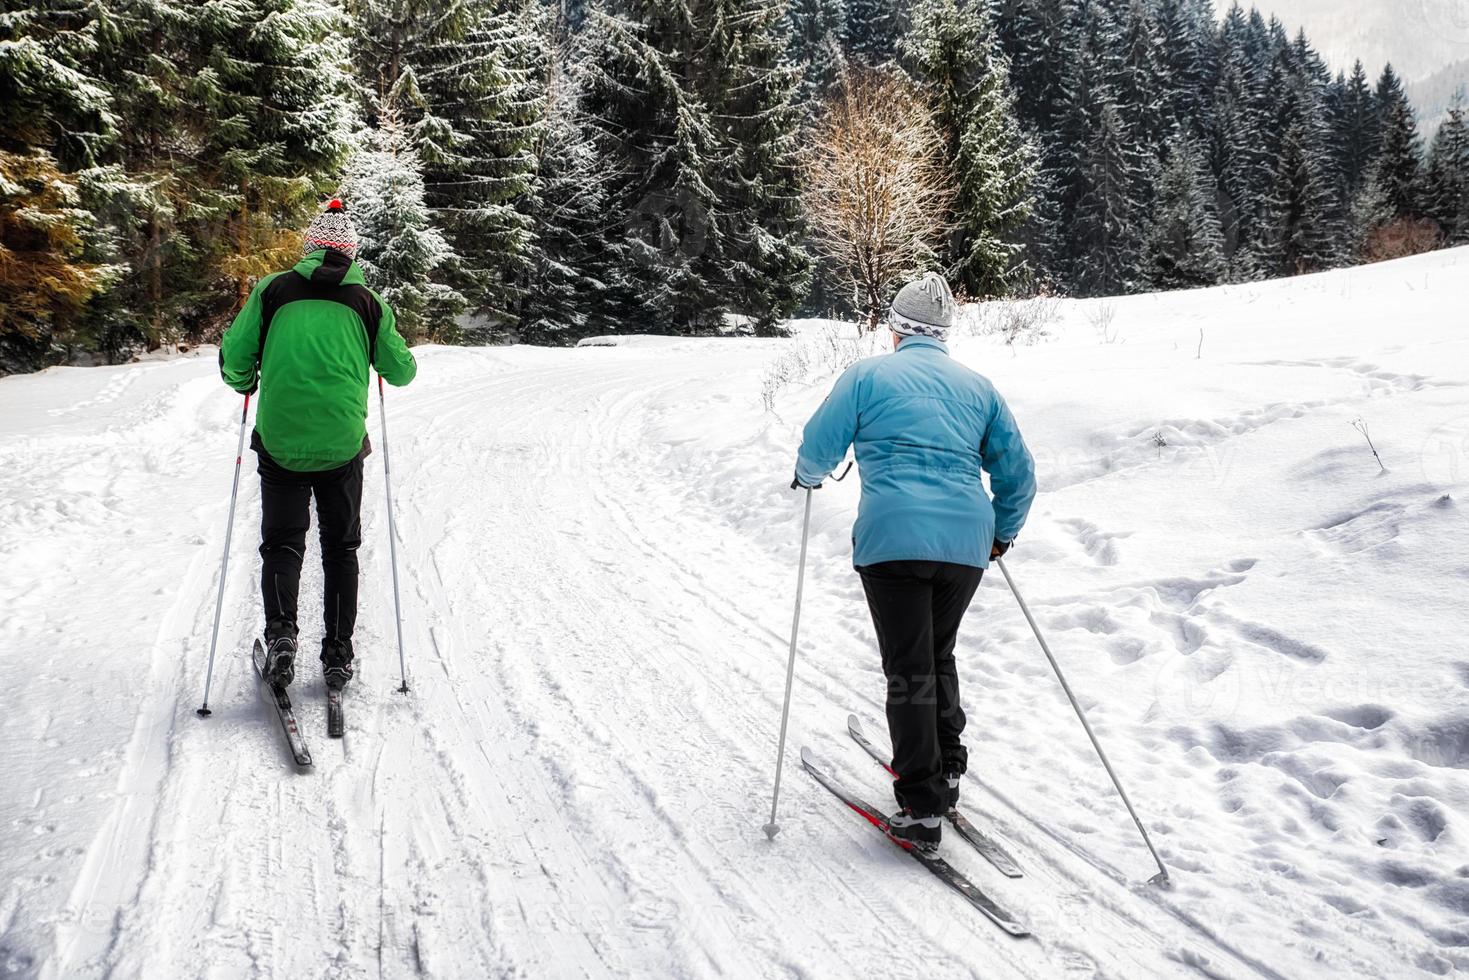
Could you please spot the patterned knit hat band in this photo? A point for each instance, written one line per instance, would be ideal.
(904, 327)
(924, 307)
(333, 229)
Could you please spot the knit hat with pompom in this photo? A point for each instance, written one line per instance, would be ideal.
(924, 307)
(332, 229)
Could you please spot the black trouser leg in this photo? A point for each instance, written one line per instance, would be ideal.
(285, 517)
(916, 610)
(953, 590)
(339, 516)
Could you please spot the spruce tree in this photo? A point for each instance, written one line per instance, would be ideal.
(400, 246)
(1304, 217)
(1237, 147)
(1399, 150)
(816, 28)
(271, 127)
(1356, 133)
(1137, 77)
(573, 258)
(137, 58)
(55, 120)
(459, 75)
(1186, 69)
(657, 137)
(952, 52)
(1108, 225)
(1447, 181)
(874, 30)
(1036, 37)
(1185, 246)
(1305, 230)
(748, 86)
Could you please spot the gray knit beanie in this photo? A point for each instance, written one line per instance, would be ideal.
(924, 307)
(333, 229)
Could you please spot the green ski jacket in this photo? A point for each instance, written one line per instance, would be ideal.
(306, 338)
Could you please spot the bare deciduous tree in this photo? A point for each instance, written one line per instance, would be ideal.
(877, 188)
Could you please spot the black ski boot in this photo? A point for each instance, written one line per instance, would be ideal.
(924, 833)
(280, 654)
(336, 663)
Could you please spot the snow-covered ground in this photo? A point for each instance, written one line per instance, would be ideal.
(598, 555)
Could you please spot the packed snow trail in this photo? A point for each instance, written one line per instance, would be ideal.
(598, 553)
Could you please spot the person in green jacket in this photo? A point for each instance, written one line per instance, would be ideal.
(305, 338)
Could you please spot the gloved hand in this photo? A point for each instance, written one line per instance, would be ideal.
(796, 484)
(998, 549)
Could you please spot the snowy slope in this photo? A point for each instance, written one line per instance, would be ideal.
(598, 553)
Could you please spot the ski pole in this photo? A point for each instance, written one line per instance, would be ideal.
(772, 828)
(392, 533)
(1161, 878)
(229, 532)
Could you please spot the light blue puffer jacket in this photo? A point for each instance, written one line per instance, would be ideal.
(923, 426)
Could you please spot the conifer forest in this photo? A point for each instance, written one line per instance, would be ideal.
(540, 173)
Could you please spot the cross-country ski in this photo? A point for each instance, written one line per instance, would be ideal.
(280, 703)
(936, 865)
(986, 845)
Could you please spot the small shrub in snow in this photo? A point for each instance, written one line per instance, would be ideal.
(1361, 426)
(815, 355)
(1015, 321)
(1100, 316)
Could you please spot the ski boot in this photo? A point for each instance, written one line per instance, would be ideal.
(336, 663)
(923, 833)
(280, 654)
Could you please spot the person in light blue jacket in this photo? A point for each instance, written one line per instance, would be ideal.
(923, 427)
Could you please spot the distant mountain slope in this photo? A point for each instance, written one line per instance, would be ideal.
(1419, 37)
(1433, 95)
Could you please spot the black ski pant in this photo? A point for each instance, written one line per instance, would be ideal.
(917, 607)
(285, 504)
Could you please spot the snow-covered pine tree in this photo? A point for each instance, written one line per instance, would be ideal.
(1185, 247)
(1304, 221)
(1037, 37)
(573, 258)
(816, 28)
(874, 30)
(1399, 149)
(1108, 224)
(1106, 179)
(1186, 66)
(1237, 141)
(1355, 136)
(270, 120)
(54, 121)
(138, 57)
(658, 140)
(1447, 181)
(749, 86)
(1137, 77)
(461, 75)
(400, 247)
(952, 52)
(1306, 235)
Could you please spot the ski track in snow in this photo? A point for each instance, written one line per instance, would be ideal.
(597, 556)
